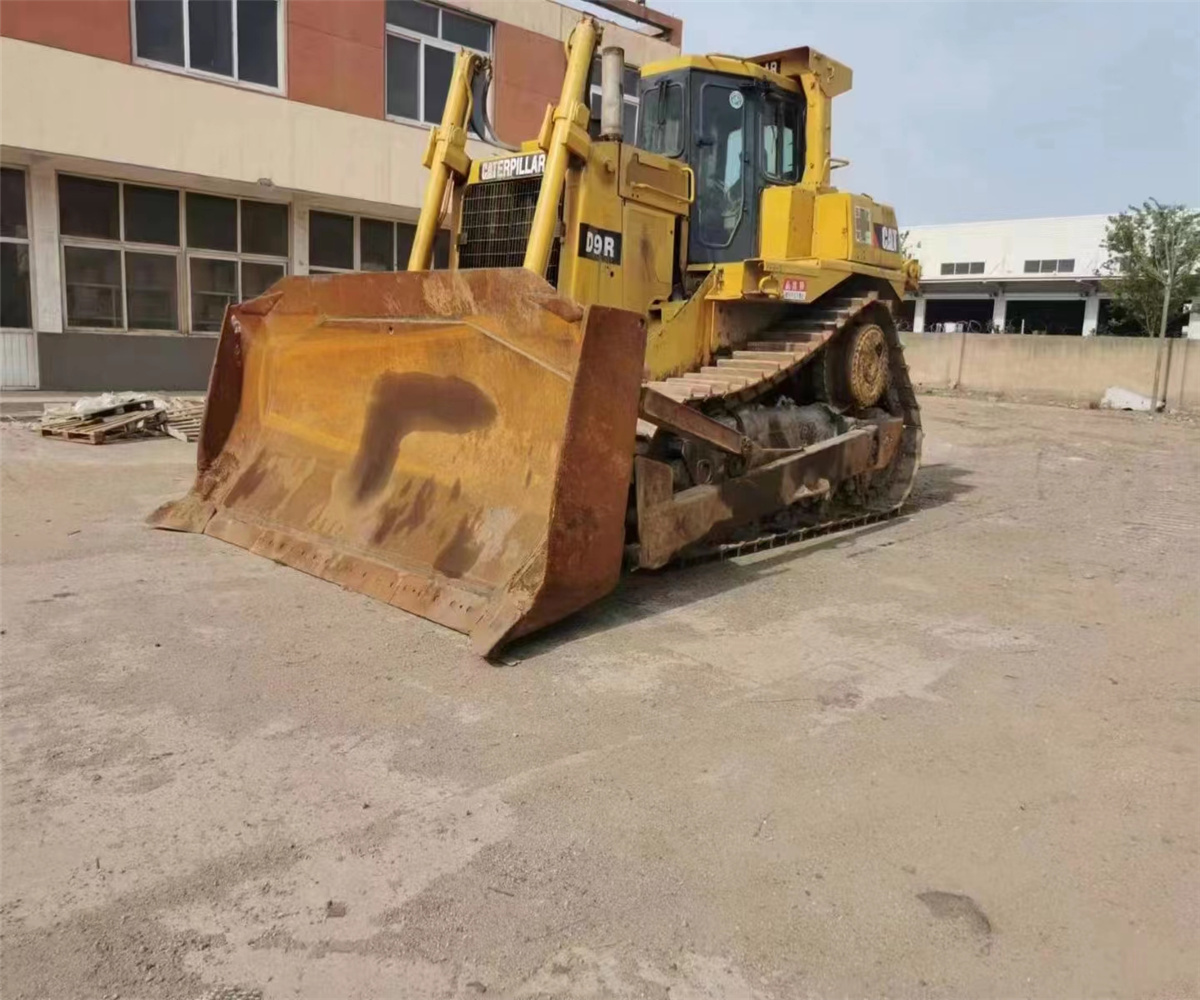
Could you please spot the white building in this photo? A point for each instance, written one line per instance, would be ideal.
(1017, 276)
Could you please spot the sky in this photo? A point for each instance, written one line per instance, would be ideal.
(971, 111)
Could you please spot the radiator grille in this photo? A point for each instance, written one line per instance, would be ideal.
(496, 219)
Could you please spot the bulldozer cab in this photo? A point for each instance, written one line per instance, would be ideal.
(740, 128)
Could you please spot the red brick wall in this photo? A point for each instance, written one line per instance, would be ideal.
(528, 75)
(93, 27)
(336, 54)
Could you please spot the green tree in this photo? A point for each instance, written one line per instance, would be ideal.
(1154, 260)
(1153, 263)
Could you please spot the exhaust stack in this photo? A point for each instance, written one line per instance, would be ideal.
(612, 93)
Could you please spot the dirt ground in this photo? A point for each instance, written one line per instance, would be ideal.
(954, 755)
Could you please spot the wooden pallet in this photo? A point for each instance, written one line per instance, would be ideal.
(184, 423)
(186, 429)
(132, 419)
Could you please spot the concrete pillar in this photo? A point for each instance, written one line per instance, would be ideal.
(299, 261)
(1091, 314)
(999, 311)
(43, 233)
(919, 315)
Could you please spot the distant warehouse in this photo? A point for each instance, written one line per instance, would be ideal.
(1016, 276)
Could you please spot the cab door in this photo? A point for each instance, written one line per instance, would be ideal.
(724, 220)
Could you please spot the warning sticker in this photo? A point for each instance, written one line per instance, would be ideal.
(794, 289)
(862, 225)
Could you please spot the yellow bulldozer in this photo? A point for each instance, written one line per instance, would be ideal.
(646, 349)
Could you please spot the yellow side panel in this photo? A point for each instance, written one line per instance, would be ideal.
(592, 201)
(677, 339)
(656, 181)
(647, 246)
(787, 223)
(881, 249)
(831, 229)
(853, 227)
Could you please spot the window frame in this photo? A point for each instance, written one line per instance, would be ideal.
(182, 253)
(974, 268)
(664, 85)
(27, 242)
(784, 101)
(203, 74)
(355, 249)
(412, 35)
(1041, 262)
(398, 263)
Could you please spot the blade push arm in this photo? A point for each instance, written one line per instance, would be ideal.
(445, 156)
(567, 134)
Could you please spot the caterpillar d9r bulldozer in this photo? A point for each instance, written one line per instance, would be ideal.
(647, 349)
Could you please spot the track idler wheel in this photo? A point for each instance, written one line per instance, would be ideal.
(861, 370)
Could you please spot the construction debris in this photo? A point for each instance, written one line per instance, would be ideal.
(1116, 398)
(133, 418)
(96, 419)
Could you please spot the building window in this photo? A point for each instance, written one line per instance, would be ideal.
(330, 242)
(237, 249)
(422, 41)
(152, 291)
(213, 282)
(232, 39)
(132, 253)
(631, 84)
(959, 268)
(341, 243)
(1065, 265)
(15, 310)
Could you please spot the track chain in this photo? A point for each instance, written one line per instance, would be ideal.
(814, 325)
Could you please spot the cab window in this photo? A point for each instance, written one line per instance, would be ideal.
(780, 128)
(662, 119)
(719, 183)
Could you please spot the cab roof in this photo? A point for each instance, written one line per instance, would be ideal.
(730, 65)
(784, 69)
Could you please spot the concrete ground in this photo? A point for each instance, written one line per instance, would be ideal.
(954, 755)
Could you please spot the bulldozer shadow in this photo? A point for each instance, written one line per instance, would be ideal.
(935, 485)
(644, 595)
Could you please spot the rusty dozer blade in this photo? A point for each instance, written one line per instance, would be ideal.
(458, 444)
